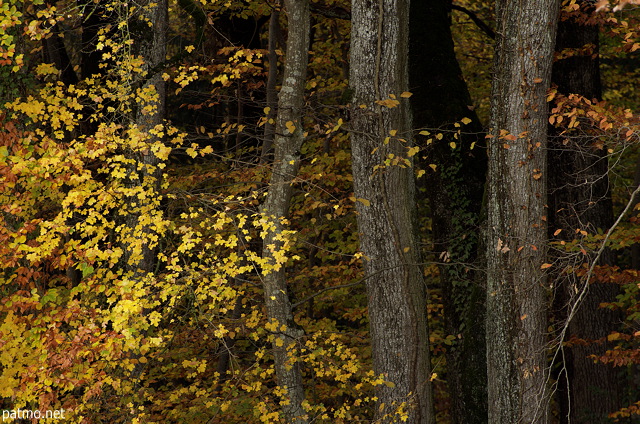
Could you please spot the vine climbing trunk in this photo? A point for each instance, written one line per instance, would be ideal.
(517, 297)
(287, 143)
(441, 103)
(383, 179)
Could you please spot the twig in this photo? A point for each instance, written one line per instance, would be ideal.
(479, 22)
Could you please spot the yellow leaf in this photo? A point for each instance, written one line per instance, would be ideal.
(364, 202)
(192, 152)
(290, 126)
(406, 94)
(433, 166)
(46, 69)
(466, 121)
(545, 266)
(388, 103)
(393, 133)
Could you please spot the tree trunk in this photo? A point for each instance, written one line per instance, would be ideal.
(380, 127)
(579, 198)
(54, 50)
(287, 143)
(272, 94)
(144, 175)
(517, 299)
(455, 190)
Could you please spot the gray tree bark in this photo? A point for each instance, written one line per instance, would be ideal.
(287, 145)
(395, 287)
(517, 299)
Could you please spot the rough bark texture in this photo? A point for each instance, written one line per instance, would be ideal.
(517, 229)
(395, 287)
(455, 190)
(285, 167)
(579, 198)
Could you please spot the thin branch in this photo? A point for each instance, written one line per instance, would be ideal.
(363, 279)
(585, 288)
(308, 298)
(479, 22)
(336, 12)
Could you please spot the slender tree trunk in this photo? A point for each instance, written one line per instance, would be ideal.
(55, 51)
(579, 198)
(395, 287)
(272, 94)
(95, 18)
(455, 190)
(150, 44)
(287, 143)
(517, 299)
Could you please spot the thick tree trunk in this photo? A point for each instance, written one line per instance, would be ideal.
(287, 143)
(395, 287)
(517, 299)
(579, 198)
(455, 190)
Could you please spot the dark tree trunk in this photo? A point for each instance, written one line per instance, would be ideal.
(55, 51)
(144, 175)
(517, 299)
(272, 94)
(455, 190)
(95, 18)
(395, 287)
(287, 143)
(579, 198)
